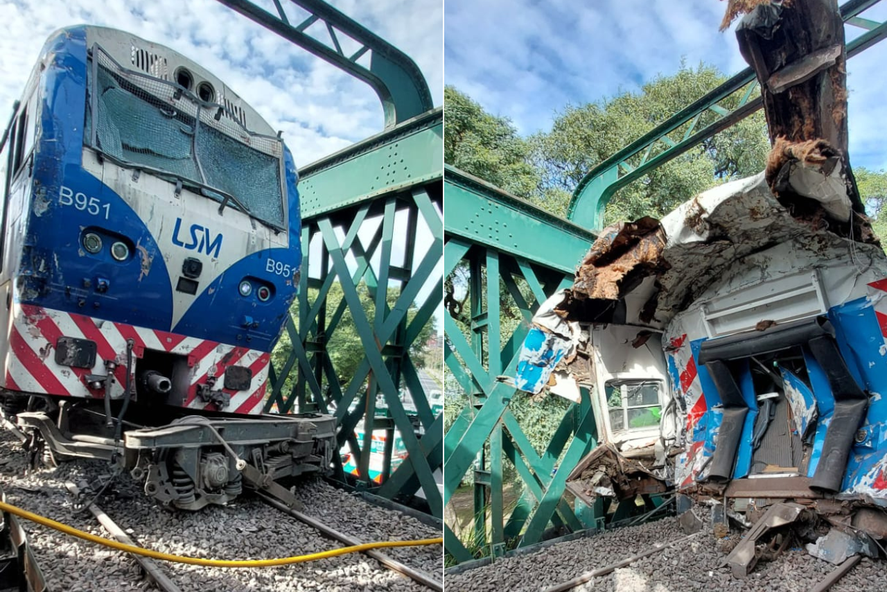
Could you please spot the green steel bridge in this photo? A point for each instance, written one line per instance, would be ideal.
(503, 240)
(363, 209)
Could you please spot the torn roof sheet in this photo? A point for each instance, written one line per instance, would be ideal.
(695, 245)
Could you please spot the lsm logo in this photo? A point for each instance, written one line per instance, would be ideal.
(201, 239)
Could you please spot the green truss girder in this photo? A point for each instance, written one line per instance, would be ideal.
(486, 432)
(394, 77)
(349, 230)
(480, 213)
(395, 160)
(659, 146)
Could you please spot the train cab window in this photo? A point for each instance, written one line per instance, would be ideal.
(633, 404)
(136, 123)
(22, 138)
(19, 143)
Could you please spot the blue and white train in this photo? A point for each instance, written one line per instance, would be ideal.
(150, 254)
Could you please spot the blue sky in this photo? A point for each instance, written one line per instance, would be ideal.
(526, 60)
(319, 108)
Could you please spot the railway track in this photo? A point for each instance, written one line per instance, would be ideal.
(627, 560)
(246, 529)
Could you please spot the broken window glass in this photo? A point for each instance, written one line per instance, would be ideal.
(633, 404)
(144, 121)
(617, 420)
(614, 396)
(134, 127)
(249, 175)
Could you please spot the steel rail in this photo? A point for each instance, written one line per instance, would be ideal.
(589, 575)
(392, 564)
(151, 569)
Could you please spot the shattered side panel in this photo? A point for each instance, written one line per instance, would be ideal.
(550, 341)
(865, 341)
(541, 352)
(699, 422)
(800, 398)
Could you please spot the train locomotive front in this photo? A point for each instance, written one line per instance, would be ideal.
(151, 252)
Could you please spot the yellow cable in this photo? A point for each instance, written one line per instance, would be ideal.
(208, 562)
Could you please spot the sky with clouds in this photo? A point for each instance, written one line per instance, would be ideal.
(319, 108)
(526, 59)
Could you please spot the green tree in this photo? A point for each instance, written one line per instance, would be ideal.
(873, 190)
(486, 146)
(345, 348)
(583, 136)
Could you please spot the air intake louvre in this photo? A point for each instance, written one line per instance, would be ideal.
(150, 63)
(234, 112)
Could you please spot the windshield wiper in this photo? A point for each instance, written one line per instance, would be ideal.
(189, 183)
(228, 196)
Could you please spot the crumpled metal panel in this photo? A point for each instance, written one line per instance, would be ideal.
(539, 355)
(622, 251)
(745, 555)
(801, 400)
(551, 340)
(606, 472)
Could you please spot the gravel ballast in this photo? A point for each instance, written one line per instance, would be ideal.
(245, 529)
(690, 566)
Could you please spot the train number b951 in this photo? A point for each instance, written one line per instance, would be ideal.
(90, 205)
(279, 268)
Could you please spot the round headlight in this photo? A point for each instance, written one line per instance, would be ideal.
(120, 251)
(92, 242)
(246, 288)
(264, 293)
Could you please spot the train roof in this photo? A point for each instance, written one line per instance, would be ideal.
(134, 53)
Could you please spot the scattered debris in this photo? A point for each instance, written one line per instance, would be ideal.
(837, 546)
(690, 523)
(747, 553)
(605, 471)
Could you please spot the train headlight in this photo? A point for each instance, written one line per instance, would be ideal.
(246, 288)
(264, 293)
(92, 242)
(120, 251)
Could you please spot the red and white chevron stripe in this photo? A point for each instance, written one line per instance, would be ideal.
(31, 366)
(690, 461)
(876, 293)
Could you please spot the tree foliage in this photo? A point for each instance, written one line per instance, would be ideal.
(345, 348)
(546, 167)
(584, 136)
(872, 187)
(487, 146)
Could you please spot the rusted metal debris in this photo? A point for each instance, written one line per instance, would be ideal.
(606, 472)
(622, 253)
(747, 553)
(797, 52)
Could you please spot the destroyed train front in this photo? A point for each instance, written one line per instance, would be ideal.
(735, 349)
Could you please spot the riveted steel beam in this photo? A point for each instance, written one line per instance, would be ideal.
(394, 77)
(512, 252)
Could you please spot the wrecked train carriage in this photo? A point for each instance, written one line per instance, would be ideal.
(737, 348)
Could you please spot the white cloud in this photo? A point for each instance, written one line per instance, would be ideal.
(319, 108)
